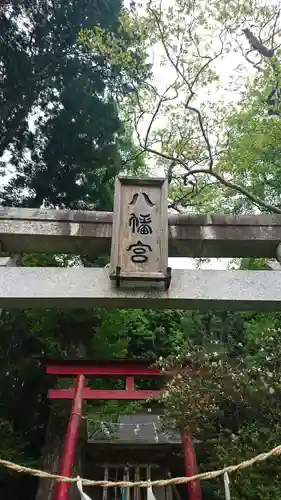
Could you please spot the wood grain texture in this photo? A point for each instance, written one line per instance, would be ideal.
(140, 226)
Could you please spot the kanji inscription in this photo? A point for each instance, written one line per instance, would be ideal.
(141, 224)
(139, 252)
(140, 229)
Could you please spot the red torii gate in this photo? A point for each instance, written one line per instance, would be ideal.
(82, 369)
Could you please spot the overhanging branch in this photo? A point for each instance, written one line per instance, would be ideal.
(237, 187)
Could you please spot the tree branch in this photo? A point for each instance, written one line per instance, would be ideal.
(257, 45)
(231, 185)
(162, 99)
(236, 187)
(205, 136)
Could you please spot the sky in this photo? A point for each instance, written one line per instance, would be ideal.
(187, 263)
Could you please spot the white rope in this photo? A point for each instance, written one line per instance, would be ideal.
(226, 486)
(105, 489)
(150, 494)
(83, 495)
(203, 476)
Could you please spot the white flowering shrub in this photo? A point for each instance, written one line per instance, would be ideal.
(232, 404)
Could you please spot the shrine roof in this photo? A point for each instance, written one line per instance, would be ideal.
(144, 428)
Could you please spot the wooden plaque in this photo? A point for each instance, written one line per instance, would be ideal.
(139, 248)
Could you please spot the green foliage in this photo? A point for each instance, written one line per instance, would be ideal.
(224, 384)
(252, 158)
(59, 120)
(126, 50)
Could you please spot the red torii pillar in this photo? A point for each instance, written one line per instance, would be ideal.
(82, 369)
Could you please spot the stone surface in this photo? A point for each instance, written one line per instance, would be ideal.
(80, 287)
(89, 233)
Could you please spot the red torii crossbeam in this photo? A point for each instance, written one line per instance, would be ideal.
(113, 369)
(128, 369)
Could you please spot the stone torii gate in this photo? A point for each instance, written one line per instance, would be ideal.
(90, 233)
(141, 236)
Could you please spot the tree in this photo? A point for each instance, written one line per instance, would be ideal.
(223, 385)
(181, 123)
(59, 121)
(253, 154)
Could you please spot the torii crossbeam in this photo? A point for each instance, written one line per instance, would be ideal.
(139, 224)
(90, 287)
(27, 230)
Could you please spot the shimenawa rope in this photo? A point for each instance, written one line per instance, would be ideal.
(275, 452)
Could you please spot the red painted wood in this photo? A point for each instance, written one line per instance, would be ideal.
(68, 455)
(102, 394)
(130, 384)
(104, 369)
(118, 368)
(190, 463)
